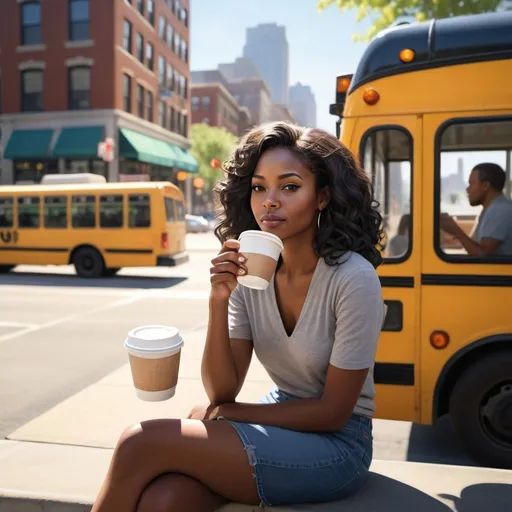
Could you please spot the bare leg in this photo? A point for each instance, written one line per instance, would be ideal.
(178, 492)
(208, 451)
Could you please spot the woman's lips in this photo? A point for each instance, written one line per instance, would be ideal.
(272, 220)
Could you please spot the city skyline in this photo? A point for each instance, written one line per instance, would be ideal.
(316, 55)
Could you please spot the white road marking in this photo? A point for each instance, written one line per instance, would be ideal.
(74, 316)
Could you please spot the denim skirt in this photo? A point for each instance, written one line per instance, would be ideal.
(306, 467)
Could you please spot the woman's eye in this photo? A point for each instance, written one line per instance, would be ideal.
(257, 188)
(291, 186)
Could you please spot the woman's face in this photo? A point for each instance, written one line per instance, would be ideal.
(284, 200)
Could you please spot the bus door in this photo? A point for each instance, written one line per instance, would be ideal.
(465, 297)
(390, 149)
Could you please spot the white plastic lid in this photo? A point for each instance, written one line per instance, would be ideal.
(261, 234)
(154, 338)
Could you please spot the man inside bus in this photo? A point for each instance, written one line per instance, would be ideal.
(493, 233)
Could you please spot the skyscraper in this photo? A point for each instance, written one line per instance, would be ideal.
(303, 104)
(267, 46)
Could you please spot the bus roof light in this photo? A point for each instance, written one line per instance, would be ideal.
(343, 83)
(371, 96)
(407, 55)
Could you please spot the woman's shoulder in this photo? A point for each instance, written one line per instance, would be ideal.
(351, 267)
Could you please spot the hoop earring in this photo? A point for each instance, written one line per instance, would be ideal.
(319, 217)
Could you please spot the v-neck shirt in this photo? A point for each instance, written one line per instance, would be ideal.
(339, 324)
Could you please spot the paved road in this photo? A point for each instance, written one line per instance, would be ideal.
(59, 334)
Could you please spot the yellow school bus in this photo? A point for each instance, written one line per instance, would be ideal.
(97, 227)
(426, 104)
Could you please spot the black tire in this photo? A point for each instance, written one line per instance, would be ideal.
(4, 269)
(481, 409)
(111, 271)
(88, 262)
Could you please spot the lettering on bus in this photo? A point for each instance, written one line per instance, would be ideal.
(9, 237)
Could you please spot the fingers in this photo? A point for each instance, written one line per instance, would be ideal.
(228, 267)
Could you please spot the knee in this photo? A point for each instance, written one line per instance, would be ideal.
(129, 444)
(163, 494)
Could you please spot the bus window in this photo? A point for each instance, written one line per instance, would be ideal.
(169, 210)
(6, 212)
(464, 145)
(55, 212)
(83, 211)
(29, 215)
(387, 159)
(139, 211)
(111, 211)
(181, 210)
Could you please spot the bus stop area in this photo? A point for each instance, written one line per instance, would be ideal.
(56, 461)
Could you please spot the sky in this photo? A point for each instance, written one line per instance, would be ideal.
(320, 45)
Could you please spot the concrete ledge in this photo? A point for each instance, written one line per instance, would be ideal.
(39, 477)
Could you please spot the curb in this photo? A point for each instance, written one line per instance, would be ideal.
(27, 504)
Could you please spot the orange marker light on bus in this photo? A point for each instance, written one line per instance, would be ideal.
(342, 84)
(371, 96)
(407, 55)
(439, 339)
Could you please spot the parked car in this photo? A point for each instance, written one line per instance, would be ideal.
(196, 224)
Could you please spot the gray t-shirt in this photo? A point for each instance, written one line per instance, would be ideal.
(496, 222)
(339, 324)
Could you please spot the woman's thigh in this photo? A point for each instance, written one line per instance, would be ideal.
(173, 491)
(209, 451)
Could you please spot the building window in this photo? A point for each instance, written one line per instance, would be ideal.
(161, 27)
(127, 93)
(162, 114)
(30, 23)
(140, 101)
(177, 43)
(170, 76)
(184, 51)
(78, 20)
(149, 56)
(195, 103)
(161, 70)
(151, 11)
(140, 6)
(150, 106)
(127, 36)
(79, 88)
(172, 120)
(185, 125)
(206, 102)
(140, 47)
(170, 36)
(184, 16)
(32, 90)
(185, 88)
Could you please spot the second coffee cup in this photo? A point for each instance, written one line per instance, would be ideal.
(262, 251)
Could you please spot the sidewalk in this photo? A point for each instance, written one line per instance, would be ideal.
(56, 462)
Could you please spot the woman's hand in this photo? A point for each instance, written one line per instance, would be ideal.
(201, 412)
(225, 268)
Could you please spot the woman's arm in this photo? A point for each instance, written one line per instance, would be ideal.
(326, 414)
(225, 362)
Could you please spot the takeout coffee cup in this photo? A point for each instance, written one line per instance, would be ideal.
(154, 352)
(262, 251)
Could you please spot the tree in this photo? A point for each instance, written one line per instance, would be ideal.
(384, 12)
(210, 143)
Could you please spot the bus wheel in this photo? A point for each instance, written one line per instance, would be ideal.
(6, 268)
(481, 409)
(111, 271)
(88, 262)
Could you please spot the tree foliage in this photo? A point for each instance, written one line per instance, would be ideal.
(385, 13)
(209, 143)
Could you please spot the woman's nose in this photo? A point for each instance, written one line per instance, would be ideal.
(271, 203)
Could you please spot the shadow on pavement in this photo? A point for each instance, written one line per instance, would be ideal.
(479, 497)
(48, 279)
(384, 494)
(437, 444)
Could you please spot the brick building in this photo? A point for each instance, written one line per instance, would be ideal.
(73, 72)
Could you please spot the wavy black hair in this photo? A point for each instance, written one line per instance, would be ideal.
(350, 222)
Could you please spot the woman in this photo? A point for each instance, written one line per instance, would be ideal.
(315, 329)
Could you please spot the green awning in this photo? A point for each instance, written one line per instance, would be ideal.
(28, 144)
(137, 146)
(79, 142)
(186, 161)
